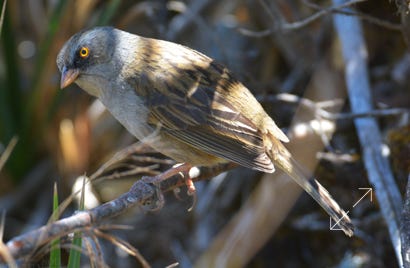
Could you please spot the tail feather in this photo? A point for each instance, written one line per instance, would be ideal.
(284, 161)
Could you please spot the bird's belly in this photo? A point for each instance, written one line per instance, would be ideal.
(177, 150)
(132, 114)
(182, 152)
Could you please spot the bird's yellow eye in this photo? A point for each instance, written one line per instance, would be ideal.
(84, 52)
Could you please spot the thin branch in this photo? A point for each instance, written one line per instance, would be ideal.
(120, 156)
(377, 165)
(99, 253)
(372, 113)
(405, 228)
(376, 21)
(124, 245)
(143, 191)
(318, 108)
(4, 251)
(189, 15)
(285, 26)
(338, 158)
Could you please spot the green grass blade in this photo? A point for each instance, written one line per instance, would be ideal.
(7, 152)
(2, 14)
(55, 253)
(75, 255)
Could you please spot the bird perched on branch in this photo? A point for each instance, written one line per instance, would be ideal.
(185, 104)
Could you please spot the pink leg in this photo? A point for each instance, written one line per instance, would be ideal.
(182, 169)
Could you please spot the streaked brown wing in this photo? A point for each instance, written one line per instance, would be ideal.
(201, 117)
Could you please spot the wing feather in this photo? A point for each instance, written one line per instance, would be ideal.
(194, 110)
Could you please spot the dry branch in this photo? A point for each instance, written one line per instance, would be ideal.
(405, 228)
(377, 165)
(146, 192)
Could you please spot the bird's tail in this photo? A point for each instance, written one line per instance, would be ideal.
(285, 161)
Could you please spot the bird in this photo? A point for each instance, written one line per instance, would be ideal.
(186, 105)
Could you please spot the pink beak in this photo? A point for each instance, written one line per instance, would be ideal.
(68, 76)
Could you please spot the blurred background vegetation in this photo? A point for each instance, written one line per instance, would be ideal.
(64, 133)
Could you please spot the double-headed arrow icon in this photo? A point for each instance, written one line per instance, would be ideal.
(369, 190)
(335, 226)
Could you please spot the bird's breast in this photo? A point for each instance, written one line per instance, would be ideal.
(129, 109)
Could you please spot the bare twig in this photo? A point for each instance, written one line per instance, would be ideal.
(139, 194)
(285, 26)
(181, 22)
(138, 9)
(405, 228)
(4, 251)
(361, 15)
(358, 85)
(124, 245)
(120, 156)
(338, 158)
(318, 108)
(403, 7)
(372, 113)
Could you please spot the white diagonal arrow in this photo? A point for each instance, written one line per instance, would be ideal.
(333, 227)
(369, 190)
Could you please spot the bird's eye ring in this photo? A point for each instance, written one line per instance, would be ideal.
(84, 52)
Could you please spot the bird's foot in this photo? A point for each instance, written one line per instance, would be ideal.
(186, 171)
(191, 191)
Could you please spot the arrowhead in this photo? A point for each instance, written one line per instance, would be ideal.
(335, 226)
(369, 190)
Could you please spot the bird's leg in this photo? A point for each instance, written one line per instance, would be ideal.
(180, 169)
(191, 191)
(156, 180)
(186, 174)
(185, 171)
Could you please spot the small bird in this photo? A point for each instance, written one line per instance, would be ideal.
(186, 105)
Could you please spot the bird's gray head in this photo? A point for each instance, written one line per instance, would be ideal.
(87, 58)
